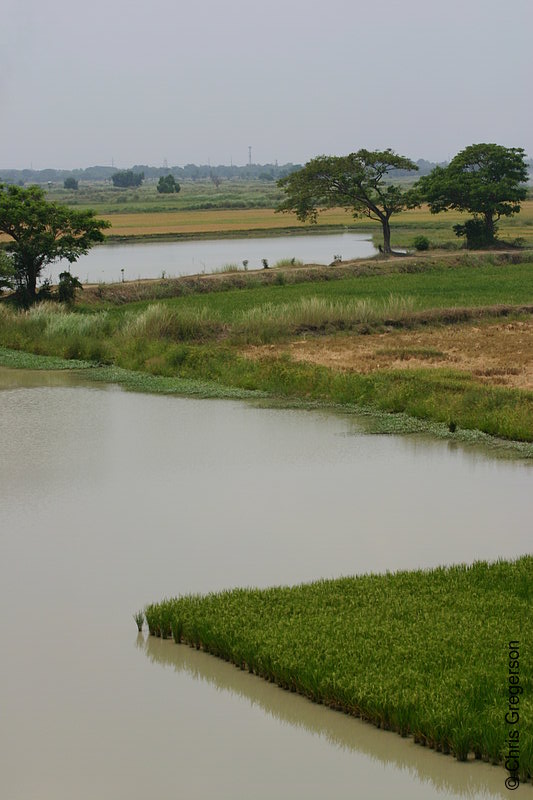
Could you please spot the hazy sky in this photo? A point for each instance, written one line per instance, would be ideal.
(82, 83)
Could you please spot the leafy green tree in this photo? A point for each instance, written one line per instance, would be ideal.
(7, 271)
(167, 184)
(487, 180)
(43, 232)
(70, 183)
(127, 178)
(357, 182)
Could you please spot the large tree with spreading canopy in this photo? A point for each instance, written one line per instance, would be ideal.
(487, 180)
(359, 182)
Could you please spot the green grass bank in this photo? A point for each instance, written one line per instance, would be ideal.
(202, 338)
(425, 653)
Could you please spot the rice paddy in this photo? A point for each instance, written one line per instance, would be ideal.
(423, 653)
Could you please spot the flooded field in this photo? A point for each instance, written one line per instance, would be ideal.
(111, 500)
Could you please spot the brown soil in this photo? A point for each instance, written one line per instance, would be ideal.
(495, 352)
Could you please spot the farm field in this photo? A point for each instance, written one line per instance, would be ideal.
(414, 652)
(239, 207)
(311, 341)
(248, 209)
(405, 226)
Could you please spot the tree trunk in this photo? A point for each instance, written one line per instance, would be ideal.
(489, 227)
(386, 235)
(31, 286)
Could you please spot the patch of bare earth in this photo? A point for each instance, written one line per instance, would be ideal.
(495, 352)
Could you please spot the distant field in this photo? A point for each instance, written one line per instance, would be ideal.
(247, 208)
(405, 226)
(193, 196)
(213, 221)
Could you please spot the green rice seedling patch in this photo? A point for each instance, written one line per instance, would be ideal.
(424, 653)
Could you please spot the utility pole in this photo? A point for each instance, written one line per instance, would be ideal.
(250, 155)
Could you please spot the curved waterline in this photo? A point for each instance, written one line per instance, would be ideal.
(443, 772)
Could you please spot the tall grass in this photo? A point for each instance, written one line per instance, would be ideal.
(159, 321)
(48, 328)
(288, 262)
(268, 321)
(423, 653)
(226, 269)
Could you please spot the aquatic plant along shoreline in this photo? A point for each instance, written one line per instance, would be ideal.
(425, 653)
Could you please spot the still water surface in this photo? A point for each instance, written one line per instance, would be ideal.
(111, 500)
(152, 259)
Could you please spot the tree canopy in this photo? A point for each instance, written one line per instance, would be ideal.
(356, 182)
(487, 180)
(43, 232)
(127, 178)
(70, 183)
(167, 184)
(7, 271)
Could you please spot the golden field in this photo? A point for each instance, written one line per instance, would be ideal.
(224, 221)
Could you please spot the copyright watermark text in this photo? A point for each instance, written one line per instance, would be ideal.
(512, 716)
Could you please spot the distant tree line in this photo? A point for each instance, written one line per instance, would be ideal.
(269, 172)
(263, 172)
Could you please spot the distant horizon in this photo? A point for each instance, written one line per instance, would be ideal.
(204, 164)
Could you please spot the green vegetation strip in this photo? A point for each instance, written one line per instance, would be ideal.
(194, 344)
(128, 379)
(435, 281)
(423, 653)
(373, 419)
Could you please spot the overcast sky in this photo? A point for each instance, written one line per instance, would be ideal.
(85, 83)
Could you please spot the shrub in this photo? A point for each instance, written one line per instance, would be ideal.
(70, 183)
(421, 243)
(66, 289)
(476, 233)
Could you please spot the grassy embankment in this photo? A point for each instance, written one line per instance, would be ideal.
(206, 337)
(423, 653)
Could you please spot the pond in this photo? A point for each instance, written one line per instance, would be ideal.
(111, 500)
(103, 264)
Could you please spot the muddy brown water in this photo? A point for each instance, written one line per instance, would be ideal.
(111, 500)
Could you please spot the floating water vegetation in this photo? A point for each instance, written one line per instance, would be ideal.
(423, 653)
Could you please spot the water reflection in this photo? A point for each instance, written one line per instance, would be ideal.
(445, 774)
(14, 379)
(151, 259)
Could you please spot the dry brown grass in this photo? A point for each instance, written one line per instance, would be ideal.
(212, 221)
(496, 351)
